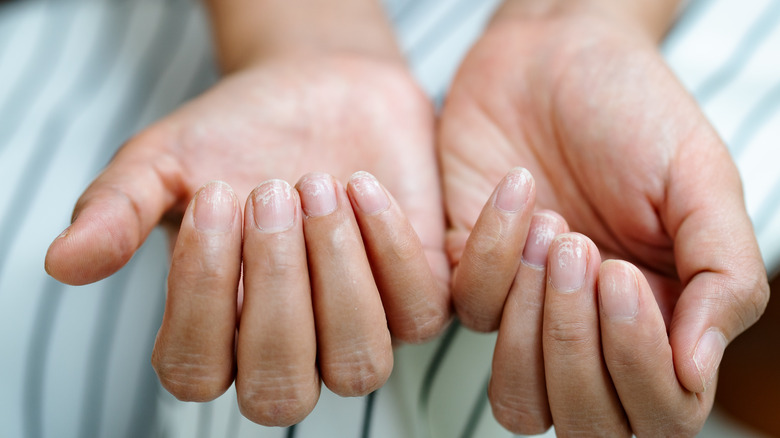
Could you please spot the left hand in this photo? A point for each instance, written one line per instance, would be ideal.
(617, 146)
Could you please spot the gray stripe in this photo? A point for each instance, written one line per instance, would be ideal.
(750, 42)
(476, 410)
(100, 348)
(768, 209)
(168, 35)
(38, 356)
(47, 51)
(406, 10)
(204, 420)
(144, 416)
(694, 12)
(445, 26)
(87, 84)
(234, 421)
(435, 365)
(368, 414)
(756, 117)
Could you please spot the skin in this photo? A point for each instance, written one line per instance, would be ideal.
(280, 114)
(646, 178)
(549, 88)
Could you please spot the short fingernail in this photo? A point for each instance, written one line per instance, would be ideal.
(318, 196)
(214, 208)
(369, 196)
(619, 292)
(514, 190)
(568, 262)
(541, 234)
(274, 206)
(708, 354)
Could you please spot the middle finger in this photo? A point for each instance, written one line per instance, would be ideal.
(353, 341)
(582, 397)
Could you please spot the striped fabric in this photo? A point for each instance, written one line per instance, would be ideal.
(78, 77)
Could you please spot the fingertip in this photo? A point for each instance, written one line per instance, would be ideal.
(545, 226)
(515, 191)
(318, 193)
(367, 194)
(571, 256)
(214, 208)
(89, 250)
(618, 290)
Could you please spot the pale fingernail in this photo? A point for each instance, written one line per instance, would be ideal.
(540, 235)
(568, 262)
(318, 196)
(274, 206)
(619, 292)
(514, 190)
(708, 354)
(215, 206)
(368, 194)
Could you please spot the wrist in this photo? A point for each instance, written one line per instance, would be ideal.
(248, 32)
(646, 18)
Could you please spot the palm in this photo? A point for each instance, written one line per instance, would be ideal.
(284, 119)
(568, 110)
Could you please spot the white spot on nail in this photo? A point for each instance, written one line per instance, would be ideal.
(275, 190)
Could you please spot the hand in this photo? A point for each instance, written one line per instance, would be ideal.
(616, 145)
(281, 118)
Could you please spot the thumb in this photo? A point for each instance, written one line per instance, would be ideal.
(116, 213)
(718, 260)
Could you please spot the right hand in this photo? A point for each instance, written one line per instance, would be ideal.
(316, 301)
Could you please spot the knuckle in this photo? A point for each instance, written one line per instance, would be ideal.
(188, 378)
(745, 297)
(485, 247)
(569, 334)
(518, 415)
(358, 373)
(483, 323)
(277, 400)
(474, 311)
(406, 248)
(422, 326)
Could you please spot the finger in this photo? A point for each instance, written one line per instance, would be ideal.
(277, 381)
(517, 390)
(193, 352)
(115, 214)
(353, 341)
(582, 398)
(639, 357)
(492, 254)
(416, 305)
(718, 261)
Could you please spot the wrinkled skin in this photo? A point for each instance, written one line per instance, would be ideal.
(623, 153)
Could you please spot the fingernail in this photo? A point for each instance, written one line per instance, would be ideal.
(274, 206)
(708, 354)
(513, 191)
(619, 292)
(369, 196)
(63, 234)
(542, 232)
(215, 207)
(568, 263)
(318, 196)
